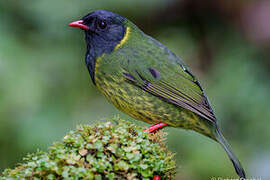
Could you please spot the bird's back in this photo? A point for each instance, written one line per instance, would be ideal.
(121, 77)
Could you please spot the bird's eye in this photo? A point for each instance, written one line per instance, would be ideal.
(102, 24)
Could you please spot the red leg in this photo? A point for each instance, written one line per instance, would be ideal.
(156, 178)
(152, 129)
(155, 127)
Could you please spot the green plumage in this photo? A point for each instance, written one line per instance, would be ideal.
(135, 57)
(144, 79)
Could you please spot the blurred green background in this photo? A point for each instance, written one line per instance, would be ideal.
(45, 88)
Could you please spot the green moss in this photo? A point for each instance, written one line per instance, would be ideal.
(111, 150)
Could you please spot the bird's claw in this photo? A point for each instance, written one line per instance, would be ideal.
(155, 127)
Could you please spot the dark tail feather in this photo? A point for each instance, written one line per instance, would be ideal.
(237, 165)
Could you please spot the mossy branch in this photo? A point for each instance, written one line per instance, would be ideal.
(110, 150)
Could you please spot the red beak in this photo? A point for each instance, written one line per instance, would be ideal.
(79, 24)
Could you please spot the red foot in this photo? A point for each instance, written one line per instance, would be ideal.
(152, 129)
(155, 127)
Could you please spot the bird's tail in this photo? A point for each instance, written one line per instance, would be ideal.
(236, 163)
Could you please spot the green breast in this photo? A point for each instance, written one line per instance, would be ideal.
(140, 104)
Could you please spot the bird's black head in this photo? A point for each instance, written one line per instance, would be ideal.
(103, 31)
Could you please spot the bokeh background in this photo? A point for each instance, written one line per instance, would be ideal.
(45, 88)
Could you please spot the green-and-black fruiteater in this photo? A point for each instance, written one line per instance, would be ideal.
(144, 79)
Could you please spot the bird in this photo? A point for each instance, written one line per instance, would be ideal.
(144, 79)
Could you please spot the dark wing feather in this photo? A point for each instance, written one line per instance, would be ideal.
(155, 69)
(176, 89)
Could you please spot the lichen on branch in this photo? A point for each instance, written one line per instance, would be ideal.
(116, 149)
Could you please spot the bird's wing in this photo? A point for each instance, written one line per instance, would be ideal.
(172, 82)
